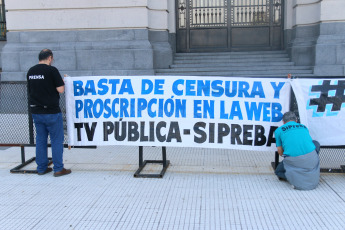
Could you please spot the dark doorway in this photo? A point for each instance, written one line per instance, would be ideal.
(229, 25)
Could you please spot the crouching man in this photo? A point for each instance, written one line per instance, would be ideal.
(301, 164)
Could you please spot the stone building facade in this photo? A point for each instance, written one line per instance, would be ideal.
(135, 37)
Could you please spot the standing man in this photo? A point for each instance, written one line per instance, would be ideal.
(301, 164)
(44, 85)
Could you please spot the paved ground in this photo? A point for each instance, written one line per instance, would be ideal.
(202, 189)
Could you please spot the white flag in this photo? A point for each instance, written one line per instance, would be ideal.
(321, 106)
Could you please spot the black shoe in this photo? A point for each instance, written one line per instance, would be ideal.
(48, 170)
(282, 179)
(62, 172)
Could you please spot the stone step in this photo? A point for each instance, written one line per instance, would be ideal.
(250, 64)
(210, 74)
(234, 73)
(237, 68)
(232, 64)
(232, 53)
(197, 61)
(231, 56)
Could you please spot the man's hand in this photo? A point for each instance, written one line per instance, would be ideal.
(60, 89)
(280, 151)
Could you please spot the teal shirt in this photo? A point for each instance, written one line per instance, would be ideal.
(294, 139)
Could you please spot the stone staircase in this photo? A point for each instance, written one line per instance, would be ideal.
(246, 64)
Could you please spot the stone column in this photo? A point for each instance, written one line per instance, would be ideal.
(315, 32)
(330, 45)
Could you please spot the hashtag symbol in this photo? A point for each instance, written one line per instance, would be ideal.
(325, 99)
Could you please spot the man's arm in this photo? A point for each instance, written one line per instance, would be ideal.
(280, 150)
(60, 89)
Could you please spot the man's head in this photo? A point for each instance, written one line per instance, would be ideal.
(289, 116)
(45, 56)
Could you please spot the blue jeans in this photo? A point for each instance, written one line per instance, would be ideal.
(49, 124)
(280, 171)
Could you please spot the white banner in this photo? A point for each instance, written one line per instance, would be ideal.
(208, 112)
(321, 106)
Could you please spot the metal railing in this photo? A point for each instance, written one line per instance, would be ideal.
(215, 13)
(16, 125)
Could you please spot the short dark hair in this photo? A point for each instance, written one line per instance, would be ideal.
(289, 116)
(44, 54)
